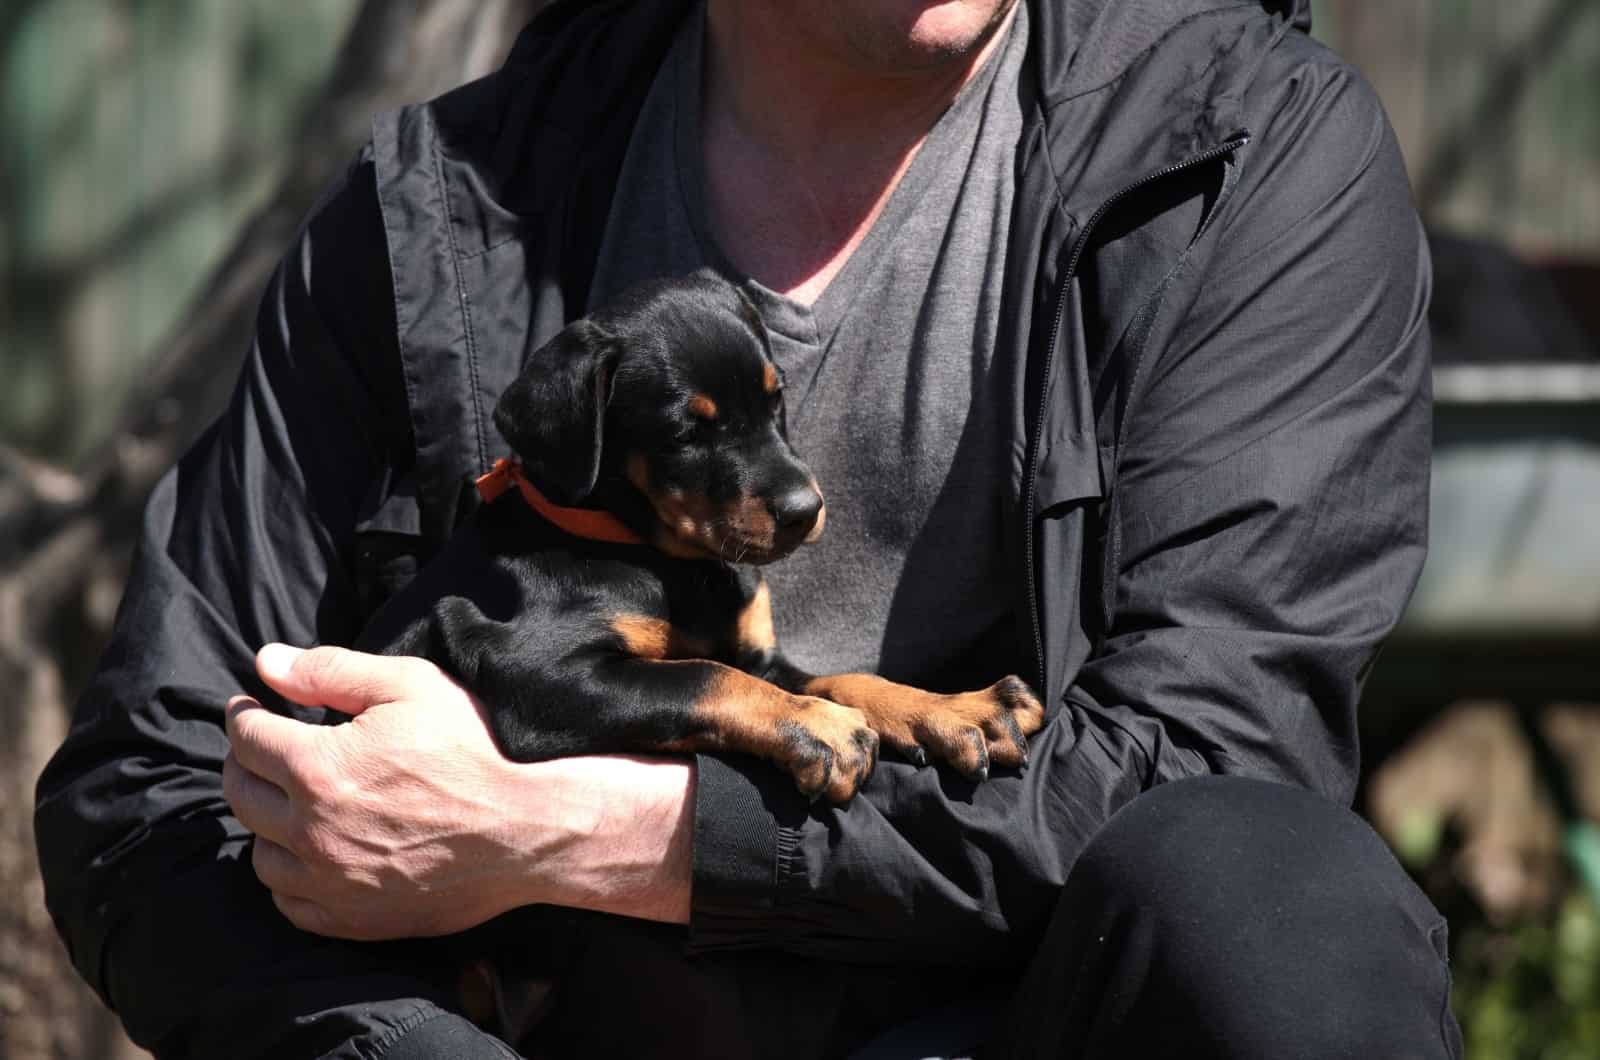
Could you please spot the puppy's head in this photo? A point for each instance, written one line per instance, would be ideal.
(669, 395)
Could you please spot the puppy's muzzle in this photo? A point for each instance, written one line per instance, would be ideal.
(798, 515)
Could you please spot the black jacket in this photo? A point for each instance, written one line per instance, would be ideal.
(1213, 336)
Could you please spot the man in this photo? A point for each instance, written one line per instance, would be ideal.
(1103, 327)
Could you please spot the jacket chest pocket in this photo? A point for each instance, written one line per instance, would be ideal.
(1070, 486)
(1069, 531)
(1073, 462)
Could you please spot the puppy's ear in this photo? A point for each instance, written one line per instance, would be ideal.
(553, 415)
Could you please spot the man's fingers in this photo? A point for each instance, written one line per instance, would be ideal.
(260, 805)
(347, 681)
(269, 745)
(279, 870)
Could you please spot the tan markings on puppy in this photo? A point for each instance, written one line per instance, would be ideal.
(637, 468)
(769, 377)
(683, 520)
(822, 516)
(754, 629)
(752, 520)
(827, 748)
(691, 523)
(702, 406)
(967, 730)
(656, 638)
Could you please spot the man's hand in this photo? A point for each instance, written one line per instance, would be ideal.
(408, 821)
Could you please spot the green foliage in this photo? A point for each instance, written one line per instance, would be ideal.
(1530, 991)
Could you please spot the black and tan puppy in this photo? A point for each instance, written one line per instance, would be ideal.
(606, 599)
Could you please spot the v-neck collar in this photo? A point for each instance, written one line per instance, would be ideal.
(816, 324)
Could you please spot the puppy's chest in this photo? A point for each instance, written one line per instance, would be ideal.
(692, 611)
(650, 606)
(588, 593)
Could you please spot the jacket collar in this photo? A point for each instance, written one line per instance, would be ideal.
(529, 158)
(572, 153)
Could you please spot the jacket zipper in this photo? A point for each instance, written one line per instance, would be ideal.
(1031, 486)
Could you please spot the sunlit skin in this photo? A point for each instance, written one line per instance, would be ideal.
(796, 178)
(408, 821)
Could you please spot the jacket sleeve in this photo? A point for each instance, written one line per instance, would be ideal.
(247, 540)
(1269, 526)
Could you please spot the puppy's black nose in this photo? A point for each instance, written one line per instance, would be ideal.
(796, 511)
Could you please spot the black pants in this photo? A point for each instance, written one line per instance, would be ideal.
(1221, 917)
(1214, 917)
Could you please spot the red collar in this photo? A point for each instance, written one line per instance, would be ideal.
(579, 522)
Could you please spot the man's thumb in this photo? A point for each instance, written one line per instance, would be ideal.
(347, 681)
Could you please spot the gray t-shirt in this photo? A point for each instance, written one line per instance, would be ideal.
(888, 383)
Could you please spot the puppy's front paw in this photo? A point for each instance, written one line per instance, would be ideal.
(828, 748)
(1013, 715)
(971, 730)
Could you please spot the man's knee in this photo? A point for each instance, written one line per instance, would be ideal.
(1206, 847)
(1267, 913)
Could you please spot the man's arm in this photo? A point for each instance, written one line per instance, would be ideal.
(146, 870)
(1272, 523)
(1273, 497)
(409, 822)
(1269, 526)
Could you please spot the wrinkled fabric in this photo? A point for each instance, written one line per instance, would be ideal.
(1224, 918)
(1216, 445)
(882, 377)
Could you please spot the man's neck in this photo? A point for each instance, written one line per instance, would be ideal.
(805, 139)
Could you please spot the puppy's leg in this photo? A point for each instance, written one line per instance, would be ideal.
(618, 689)
(968, 730)
(697, 705)
(621, 684)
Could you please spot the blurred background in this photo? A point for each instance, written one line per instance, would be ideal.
(157, 155)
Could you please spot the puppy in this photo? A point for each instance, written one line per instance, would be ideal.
(608, 598)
